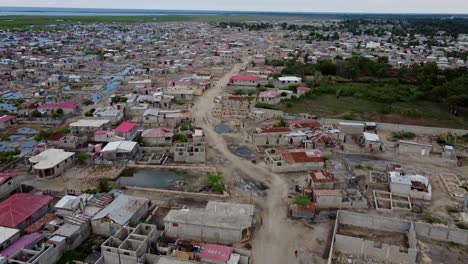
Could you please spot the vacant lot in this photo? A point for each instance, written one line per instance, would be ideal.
(428, 113)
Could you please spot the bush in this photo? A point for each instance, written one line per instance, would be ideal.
(403, 135)
(215, 182)
(104, 185)
(36, 114)
(88, 102)
(82, 157)
(179, 138)
(248, 246)
(5, 137)
(462, 226)
(267, 106)
(301, 200)
(429, 218)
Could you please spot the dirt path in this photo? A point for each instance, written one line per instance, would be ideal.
(278, 237)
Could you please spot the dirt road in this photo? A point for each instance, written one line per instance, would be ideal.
(278, 237)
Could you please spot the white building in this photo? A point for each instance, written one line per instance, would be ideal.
(414, 186)
(52, 162)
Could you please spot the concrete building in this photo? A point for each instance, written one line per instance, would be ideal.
(372, 142)
(294, 160)
(8, 236)
(281, 136)
(41, 250)
(87, 127)
(351, 132)
(64, 141)
(120, 150)
(269, 97)
(7, 121)
(114, 112)
(170, 118)
(190, 152)
(338, 199)
(123, 211)
(374, 238)
(414, 186)
(52, 162)
(128, 245)
(126, 130)
(288, 80)
(8, 184)
(406, 147)
(232, 106)
(321, 179)
(22, 209)
(157, 136)
(243, 81)
(219, 222)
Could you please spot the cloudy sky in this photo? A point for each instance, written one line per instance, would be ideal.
(369, 6)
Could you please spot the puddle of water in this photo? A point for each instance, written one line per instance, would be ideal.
(244, 153)
(152, 178)
(222, 129)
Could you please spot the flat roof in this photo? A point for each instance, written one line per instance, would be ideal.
(90, 123)
(371, 137)
(122, 146)
(414, 143)
(6, 233)
(49, 158)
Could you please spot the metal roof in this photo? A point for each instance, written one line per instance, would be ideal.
(122, 209)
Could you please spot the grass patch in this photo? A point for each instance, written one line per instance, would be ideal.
(403, 135)
(301, 200)
(43, 22)
(429, 218)
(422, 113)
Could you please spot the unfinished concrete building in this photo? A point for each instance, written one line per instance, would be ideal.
(406, 147)
(339, 199)
(293, 160)
(364, 238)
(219, 222)
(190, 152)
(128, 245)
(232, 106)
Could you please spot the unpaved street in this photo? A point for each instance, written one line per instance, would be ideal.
(278, 237)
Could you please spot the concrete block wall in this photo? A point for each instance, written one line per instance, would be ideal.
(347, 244)
(442, 233)
(373, 222)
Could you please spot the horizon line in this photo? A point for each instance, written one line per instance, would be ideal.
(240, 12)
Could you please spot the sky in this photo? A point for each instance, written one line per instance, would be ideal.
(354, 6)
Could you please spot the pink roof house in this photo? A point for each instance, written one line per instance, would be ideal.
(271, 97)
(126, 130)
(216, 253)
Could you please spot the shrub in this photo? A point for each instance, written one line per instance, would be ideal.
(301, 200)
(248, 246)
(267, 106)
(429, 218)
(215, 182)
(82, 157)
(403, 135)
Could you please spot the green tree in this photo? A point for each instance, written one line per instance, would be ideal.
(36, 114)
(82, 157)
(215, 182)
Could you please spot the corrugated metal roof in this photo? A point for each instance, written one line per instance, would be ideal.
(122, 209)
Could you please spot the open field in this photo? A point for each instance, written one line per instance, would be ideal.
(327, 105)
(38, 22)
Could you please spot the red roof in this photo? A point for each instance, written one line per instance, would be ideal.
(303, 208)
(54, 137)
(156, 133)
(6, 118)
(321, 176)
(21, 206)
(69, 105)
(21, 243)
(238, 98)
(302, 156)
(270, 94)
(216, 252)
(305, 123)
(125, 127)
(240, 78)
(4, 176)
(275, 130)
(303, 89)
(39, 224)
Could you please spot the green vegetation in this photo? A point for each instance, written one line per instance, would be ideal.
(104, 185)
(267, 106)
(215, 182)
(90, 112)
(36, 114)
(462, 226)
(57, 22)
(403, 135)
(80, 253)
(5, 137)
(82, 157)
(429, 218)
(7, 156)
(281, 123)
(248, 92)
(43, 134)
(185, 127)
(301, 200)
(119, 99)
(179, 138)
(88, 102)
(248, 246)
